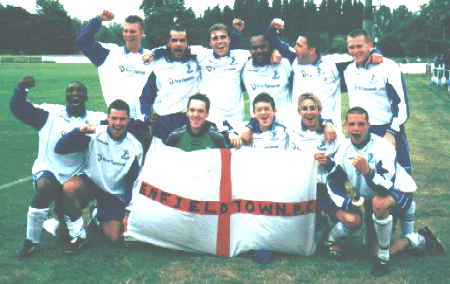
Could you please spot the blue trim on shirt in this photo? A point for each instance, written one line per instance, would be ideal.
(25, 111)
(276, 43)
(148, 95)
(96, 53)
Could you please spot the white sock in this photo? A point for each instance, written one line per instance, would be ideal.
(416, 240)
(339, 230)
(35, 219)
(51, 226)
(407, 220)
(383, 228)
(94, 217)
(75, 228)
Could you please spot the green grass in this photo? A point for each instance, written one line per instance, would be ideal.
(428, 134)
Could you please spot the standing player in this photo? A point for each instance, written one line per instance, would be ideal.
(121, 69)
(378, 88)
(50, 170)
(221, 74)
(113, 161)
(368, 162)
(260, 76)
(173, 79)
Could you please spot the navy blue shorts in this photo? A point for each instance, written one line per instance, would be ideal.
(325, 203)
(109, 207)
(401, 145)
(44, 174)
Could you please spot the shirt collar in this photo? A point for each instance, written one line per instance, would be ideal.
(364, 142)
(71, 115)
(126, 51)
(318, 60)
(321, 126)
(217, 56)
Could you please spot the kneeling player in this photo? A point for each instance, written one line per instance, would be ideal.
(369, 163)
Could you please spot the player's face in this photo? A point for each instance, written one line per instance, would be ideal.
(359, 49)
(118, 121)
(220, 42)
(357, 127)
(260, 51)
(310, 113)
(177, 45)
(197, 115)
(265, 114)
(302, 51)
(132, 34)
(75, 96)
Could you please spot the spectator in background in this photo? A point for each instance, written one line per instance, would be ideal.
(418, 60)
(406, 60)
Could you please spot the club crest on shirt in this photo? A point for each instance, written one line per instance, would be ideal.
(275, 74)
(322, 147)
(125, 154)
(189, 68)
(209, 68)
(233, 60)
(373, 80)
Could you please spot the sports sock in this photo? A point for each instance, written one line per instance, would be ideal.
(94, 217)
(407, 220)
(35, 219)
(383, 228)
(75, 228)
(339, 230)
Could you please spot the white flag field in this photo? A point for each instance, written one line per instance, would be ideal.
(225, 201)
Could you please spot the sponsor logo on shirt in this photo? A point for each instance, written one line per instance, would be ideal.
(124, 69)
(266, 86)
(183, 80)
(196, 143)
(210, 68)
(101, 158)
(304, 74)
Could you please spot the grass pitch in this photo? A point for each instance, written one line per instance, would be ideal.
(428, 133)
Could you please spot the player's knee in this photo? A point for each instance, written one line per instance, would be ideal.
(71, 186)
(352, 221)
(380, 208)
(113, 236)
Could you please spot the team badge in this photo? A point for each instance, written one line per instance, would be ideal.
(322, 147)
(233, 60)
(209, 68)
(125, 154)
(373, 80)
(189, 71)
(275, 74)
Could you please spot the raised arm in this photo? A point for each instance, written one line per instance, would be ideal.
(23, 109)
(85, 41)
(275, 41)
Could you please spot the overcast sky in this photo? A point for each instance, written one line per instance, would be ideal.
(87, 9)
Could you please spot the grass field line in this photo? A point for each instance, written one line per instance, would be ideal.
(9, 184)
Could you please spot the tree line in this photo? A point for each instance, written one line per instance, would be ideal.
(401, 32)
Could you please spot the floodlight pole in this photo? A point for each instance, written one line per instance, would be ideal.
(368, 19)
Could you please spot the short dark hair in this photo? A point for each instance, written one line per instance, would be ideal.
(357, 110)
(263, 97)
(132, 19)
(217, 27)
(313, 40)
(176, 28)
(83, 87)
(119, 105)
(359, 32)
(200, 97)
